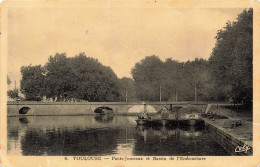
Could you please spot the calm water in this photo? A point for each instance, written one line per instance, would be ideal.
(106, 135)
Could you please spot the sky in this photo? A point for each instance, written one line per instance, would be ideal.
(118, 37)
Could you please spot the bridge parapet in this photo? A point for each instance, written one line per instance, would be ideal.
(83, 108)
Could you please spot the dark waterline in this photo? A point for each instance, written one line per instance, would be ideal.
(105, 135)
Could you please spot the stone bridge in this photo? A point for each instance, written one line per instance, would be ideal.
(83, 108)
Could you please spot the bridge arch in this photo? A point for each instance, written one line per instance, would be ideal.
(24, 110)
(104, 110)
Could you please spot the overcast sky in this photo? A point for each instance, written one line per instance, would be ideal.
(117, 37)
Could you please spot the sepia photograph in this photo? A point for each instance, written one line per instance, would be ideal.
(126, 81)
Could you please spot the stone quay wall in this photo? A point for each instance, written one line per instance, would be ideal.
(228, 141)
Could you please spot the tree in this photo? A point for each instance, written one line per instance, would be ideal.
(80, 78)
(58, 77)
(92, 81)
(127, 85)
(195, 74)
(148, 76)
(13, 93)
(32, 82)
(178, 80)
(231, 59)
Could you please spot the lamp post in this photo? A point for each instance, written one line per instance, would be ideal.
(195, 92)
(125, 94)
(176, 95)
(160, 93)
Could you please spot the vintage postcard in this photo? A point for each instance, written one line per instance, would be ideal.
(129, 83)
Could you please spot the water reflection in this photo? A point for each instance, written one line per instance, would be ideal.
(69, 142)
(104, 118)
(104, 135)
(24, 120)
(174, 141)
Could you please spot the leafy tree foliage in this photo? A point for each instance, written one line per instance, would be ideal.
(231, 59)
(77, 78)
(148, 76)
(176, 79)
(194, 83)
(92, 81)
(127, 85)
(57, 82)
(13, 93)
(228, 72)
(32, 83)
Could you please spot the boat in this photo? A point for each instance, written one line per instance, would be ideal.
(143, 121)
(190, 117)
(164, 117)
(191, 120)
(143, 118)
